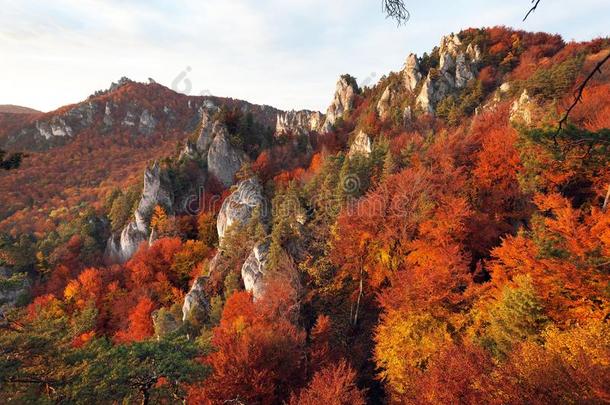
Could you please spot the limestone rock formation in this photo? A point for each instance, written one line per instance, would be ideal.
(107, 120)
(254, 269)
(204, 140)
(157, 191)
(56, 127)
(224, 160)
(298, 122)
(238, 207)
(411, 72)
(521, 110)
(343, 101)
(361, 145)
(196, 305)
(456, 69)
(385, 102)
(463, 71)
(147, 123)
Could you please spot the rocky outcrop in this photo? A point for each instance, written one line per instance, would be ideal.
(361, 145)
(298, 122)
(196, 305)
(224, 160)
(254, 269)
(206, 133)
(343, 101)
(384, 104)
(147, 123)
(432, 91)
(411, 72)
(521, 110)
(56, 127)
(456, 69)
(157, 191)
(237, 209)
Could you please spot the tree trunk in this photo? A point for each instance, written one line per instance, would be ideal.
(359, 295)
(145, 396)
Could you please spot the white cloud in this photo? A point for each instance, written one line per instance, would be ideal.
(284, 53)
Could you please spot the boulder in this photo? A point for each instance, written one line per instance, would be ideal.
(238, 207)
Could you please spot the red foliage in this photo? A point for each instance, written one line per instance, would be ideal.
(259, 353)
(333, 385)
(140, 322)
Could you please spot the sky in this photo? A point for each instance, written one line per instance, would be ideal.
(284, 53)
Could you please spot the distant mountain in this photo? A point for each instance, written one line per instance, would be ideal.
(135, 110)
(80, 152)
(17, 109)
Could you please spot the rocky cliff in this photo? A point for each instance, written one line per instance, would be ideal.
(223, 159)
(361, 145)
(254, 269)
(237, 209)
(456, 67)
(157, 190)
(343, 101)
(140, 109)
(298, 122)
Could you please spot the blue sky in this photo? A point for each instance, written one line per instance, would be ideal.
(285, 53)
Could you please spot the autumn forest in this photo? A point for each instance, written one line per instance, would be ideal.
(437, 237)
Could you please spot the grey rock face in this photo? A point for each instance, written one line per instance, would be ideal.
(57, 127)
(385, 103)
(463, 71)
(107, 120)
(224, 160)
(254, 269)
(204, 140)
(343, 101)
(411, 72)
(521, 110)
(196, 304)
(361, 145)
(238, 207)
(157, 191)
(298, 122)
(130, 119)
(456, 69)
(147, 123)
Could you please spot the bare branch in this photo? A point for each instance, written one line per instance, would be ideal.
(531, 10)
(579, 94)
(397, 10)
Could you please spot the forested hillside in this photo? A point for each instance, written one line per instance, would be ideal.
(436, 238)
